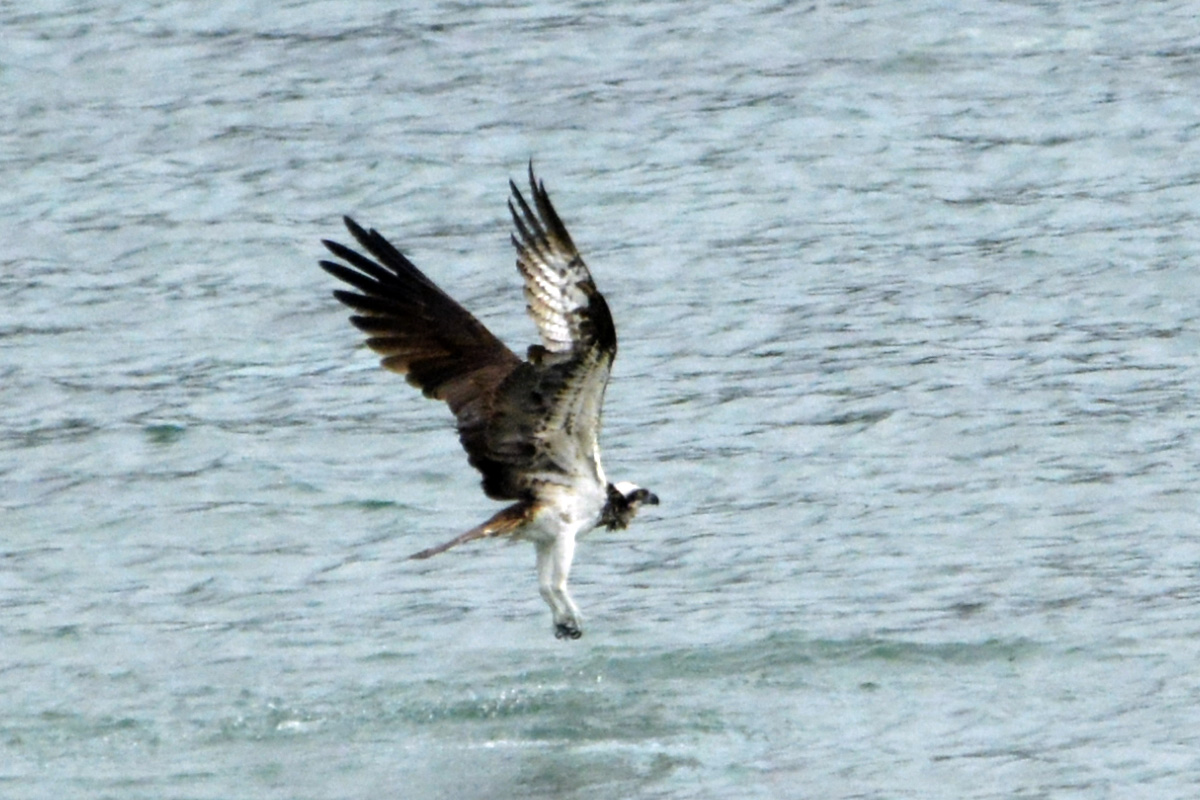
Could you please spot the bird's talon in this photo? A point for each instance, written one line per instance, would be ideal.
(565, 631)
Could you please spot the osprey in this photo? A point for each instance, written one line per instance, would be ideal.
(529, 425)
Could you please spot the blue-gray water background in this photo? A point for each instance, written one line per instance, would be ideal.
(908, 300)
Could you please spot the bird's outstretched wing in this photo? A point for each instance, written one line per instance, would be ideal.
(556, 403)
(570, 313)
(422, 333)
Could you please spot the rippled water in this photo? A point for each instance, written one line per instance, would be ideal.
(908, 304)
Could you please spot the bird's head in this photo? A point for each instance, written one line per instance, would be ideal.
(624, 500)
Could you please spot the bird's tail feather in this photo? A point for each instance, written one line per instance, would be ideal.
(503, 523)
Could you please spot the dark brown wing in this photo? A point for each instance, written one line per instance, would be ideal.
(422, 333)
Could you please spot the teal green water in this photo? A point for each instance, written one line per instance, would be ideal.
(907, 307)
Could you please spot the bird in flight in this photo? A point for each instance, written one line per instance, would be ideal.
(531, 425)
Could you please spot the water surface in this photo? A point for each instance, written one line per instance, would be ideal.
(908, 316)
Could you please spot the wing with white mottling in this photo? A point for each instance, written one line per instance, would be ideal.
(556, 402)
(570, 313)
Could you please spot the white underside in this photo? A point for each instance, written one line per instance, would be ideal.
(566, 514)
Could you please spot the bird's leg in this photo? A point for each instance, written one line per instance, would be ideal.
(554, 566)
